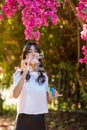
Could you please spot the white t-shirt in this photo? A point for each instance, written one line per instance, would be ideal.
(33, 97)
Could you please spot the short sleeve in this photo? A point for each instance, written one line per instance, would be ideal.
(16, 78)
(46, 83)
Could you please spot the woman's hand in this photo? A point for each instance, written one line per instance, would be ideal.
(57, 94)
(25, 66)
(34, 59)
(30, 63)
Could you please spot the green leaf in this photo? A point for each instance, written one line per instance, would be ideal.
(60, 0)
(84, 11)
(1, 12)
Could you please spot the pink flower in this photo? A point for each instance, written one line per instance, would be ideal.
(84, 48)
(1, 16)
(82, 9)
(37, 35)
(84, 59)
(10, 8)
(84, 32)
(35, 14)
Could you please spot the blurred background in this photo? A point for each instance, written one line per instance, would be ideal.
(61, 46)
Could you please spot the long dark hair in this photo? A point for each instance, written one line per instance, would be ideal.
(27, 48)
(41, 78)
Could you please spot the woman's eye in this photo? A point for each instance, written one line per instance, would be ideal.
(29, 52)
(36, 51)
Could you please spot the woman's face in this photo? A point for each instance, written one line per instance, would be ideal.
(32, 53)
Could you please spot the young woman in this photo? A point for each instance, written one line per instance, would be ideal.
(30, 86)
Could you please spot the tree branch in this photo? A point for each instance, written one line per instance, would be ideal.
(73, 7)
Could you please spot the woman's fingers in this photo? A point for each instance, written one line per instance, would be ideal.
(57, 94)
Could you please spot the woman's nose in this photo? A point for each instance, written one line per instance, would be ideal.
(33, 53)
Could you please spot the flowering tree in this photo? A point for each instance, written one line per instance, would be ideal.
(35, 14)
(82, 13)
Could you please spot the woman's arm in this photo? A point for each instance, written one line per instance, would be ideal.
(49, 96)
(56, 94)
(17, 89)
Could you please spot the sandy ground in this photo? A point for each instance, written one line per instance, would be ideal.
(6, 123)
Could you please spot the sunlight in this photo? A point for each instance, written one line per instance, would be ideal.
(6, 96)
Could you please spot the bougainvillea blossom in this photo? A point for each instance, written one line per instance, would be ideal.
(82, 10)
(82, 13)
(10, 8)
(35, 14)
(84, 32)
(84, 60)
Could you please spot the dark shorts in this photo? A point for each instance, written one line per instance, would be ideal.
(30, 122)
